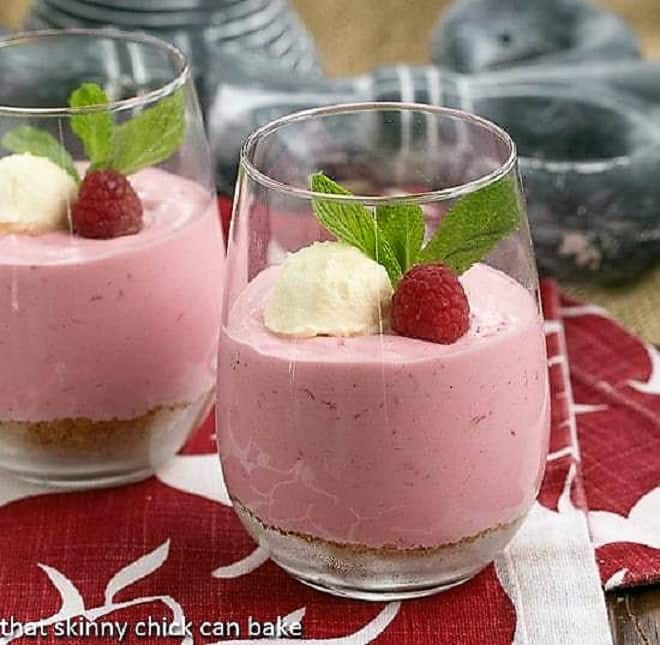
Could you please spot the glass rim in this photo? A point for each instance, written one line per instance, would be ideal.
(182, 74)
(374, 200)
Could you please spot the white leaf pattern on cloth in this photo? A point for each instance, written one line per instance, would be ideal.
(652, 386)
(137, 570)
(14, 490)
(561, 453)
(244, 566)
(295, 616)
(363, 636)
(584, 310)
(198, 475)
(642, 526)
(565, 503)
(585, 408)
(616, 579)
(73, 604)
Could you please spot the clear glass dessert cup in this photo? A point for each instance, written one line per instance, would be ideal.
(373, 464)
(110, 288)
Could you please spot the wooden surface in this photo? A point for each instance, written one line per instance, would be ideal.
(355, 36)
(635, 616)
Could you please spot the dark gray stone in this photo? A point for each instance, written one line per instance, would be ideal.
(588, 162)
(200, 28)
(479, 35)
(563, 77)
(589, 144)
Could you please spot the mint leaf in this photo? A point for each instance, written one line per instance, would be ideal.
(467, 233)
(350, 222)
(94, 129)
(354, 224)
(150, 137)
(29, 140)
(474, 225)
(404, 227)
(147, 139)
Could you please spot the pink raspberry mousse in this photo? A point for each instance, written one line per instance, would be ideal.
(386, 442)
(116, 332)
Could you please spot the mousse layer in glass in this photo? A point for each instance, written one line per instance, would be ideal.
(103, 340)
(383, 441)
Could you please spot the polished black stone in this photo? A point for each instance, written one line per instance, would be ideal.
(588, 139)
(480, 35)
(563, 77)
(589, 162)
(200, 28)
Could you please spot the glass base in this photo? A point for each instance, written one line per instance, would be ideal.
(78, 454)
(370, 573)
(381, 595)
(81, 481)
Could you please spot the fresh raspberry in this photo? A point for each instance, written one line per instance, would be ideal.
(430, 304)
(107, 206)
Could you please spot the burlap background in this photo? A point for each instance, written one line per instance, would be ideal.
(356, 35)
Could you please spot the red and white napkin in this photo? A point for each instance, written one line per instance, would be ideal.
(171, 549)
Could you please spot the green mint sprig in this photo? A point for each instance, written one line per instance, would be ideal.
(404, 227)
(354, 224)
(96, 129)
(474, 225)
(148, 138)
(394, 234)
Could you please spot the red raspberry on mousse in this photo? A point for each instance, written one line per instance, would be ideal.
(430, 304)
(107, 206)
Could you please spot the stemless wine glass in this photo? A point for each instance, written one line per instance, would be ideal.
(107, 346)
(381, 466)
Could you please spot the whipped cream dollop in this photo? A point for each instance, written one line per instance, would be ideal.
(35, 195)
(329, 289)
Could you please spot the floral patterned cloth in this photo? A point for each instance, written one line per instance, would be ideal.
(171, 550)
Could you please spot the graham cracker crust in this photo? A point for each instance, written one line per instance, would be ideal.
(375, 573)
(86, 438)
(386, 550)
